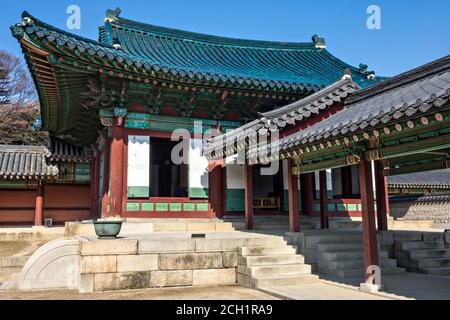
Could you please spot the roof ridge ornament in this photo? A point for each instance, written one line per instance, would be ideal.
(363, 68)
(318, 42)
(347, 74)
(113, 15)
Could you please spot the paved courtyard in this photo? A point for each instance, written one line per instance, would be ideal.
(410, 285)
(185, 293)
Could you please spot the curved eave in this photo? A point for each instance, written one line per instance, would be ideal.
(53, 40)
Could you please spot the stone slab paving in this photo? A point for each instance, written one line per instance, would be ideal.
(321, 291)
(410, 285)
(233, 292)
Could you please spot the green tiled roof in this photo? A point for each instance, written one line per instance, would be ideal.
(276, 64)
(248, 74)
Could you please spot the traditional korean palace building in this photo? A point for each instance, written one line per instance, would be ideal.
(120, 98)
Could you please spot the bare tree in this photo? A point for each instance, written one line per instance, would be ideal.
(16, 85)
(19, 109)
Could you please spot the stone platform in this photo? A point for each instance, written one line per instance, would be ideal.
(144, 226)
(138, 261)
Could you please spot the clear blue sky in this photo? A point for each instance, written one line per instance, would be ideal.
(413, 31)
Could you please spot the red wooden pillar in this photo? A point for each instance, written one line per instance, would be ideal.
(105, 187)
(215, 187)
(323, 200)
(307, 193)
(116, 169)
(294, 214)
(368, 216)
(38, 209)
(95, 183)
(346, 178)
(248, 197)
(382, 195)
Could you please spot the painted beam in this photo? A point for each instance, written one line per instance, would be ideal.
(419, 167)
(327, 164)
(368, 217)
(410, 148)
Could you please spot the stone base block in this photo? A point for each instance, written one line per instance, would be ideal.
(230, 259)
(162, 246)
(137, 263)
(160, 279)
(109, 247)
(183, 261)
(98, 264)
(86, 283)
(121, 281)
(214, 277)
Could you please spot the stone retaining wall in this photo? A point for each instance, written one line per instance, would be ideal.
(132, 264)
(135, 262)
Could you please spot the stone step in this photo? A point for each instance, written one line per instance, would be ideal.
(419, 245)
(430, 263)
(337, 247)
(260, 282)
(274, 271)
(267, 251)
(355, 264)
(271, 260)
(271, 227)
(359, 273)
(437, 271)
(347, 255)
(333, 238)
(423, 254)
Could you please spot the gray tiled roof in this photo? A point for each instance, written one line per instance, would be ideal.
(20, 162)
(313, 104)
(418, 91)
(438, 179)
(68, 152)
(289, 114)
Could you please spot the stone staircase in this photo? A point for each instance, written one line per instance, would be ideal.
(430, 257)
(278, 265)
(10, 266)
(344, 258)
(271, 222)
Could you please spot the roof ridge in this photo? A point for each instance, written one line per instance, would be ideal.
(27, 15)
(405, 78)
(208, 38)
(325, 91)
